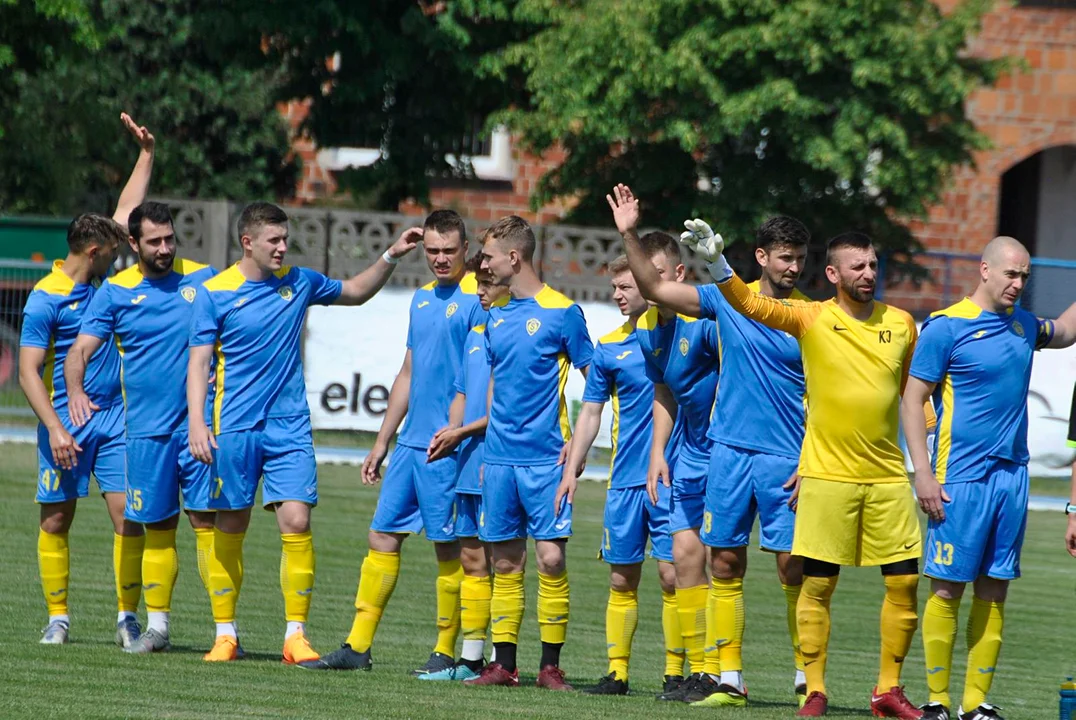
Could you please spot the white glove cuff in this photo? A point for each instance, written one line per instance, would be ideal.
(719, 269)
(390, 259)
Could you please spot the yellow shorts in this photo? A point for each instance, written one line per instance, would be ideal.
(856, 523)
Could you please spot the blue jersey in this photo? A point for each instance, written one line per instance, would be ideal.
(439, 320)
(981, 362)
(472, 381)
(255, 328)
(51, 320)
(684, 355)
(150, 319)
(618, 373)
(761, 383)
(532, 344)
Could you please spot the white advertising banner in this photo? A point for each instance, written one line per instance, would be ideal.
(352, 355)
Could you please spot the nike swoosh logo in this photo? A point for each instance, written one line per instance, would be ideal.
(839, 328)
(304, 593)
(225, 591)
(623, 355)
(423, 304)
(60, 592)
(909, 547)
(140, 298)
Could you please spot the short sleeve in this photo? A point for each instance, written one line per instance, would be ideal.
(99, 320)
(575, 338)
(323, 289)
(205, 325)
(410, 323)
(713, 343)
(489, 344)
(600, 382)
(1044, 334)
(933, 350)
(709, 300)
(38, 318)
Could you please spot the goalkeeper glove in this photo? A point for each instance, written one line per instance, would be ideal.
(708, 244)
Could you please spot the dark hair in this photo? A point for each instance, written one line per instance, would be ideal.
(659, 242)
(619, 265)
(515, 232)
(258, 214)
(474, 263)
(444, 222)
(157, 213)
(856, 240)
(93, 229)
(781, 231)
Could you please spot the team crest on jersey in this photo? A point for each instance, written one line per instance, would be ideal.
(1018, 329)
(451, 310)
(683, 346)
(188, 294)
(532, 326)
(286, 293)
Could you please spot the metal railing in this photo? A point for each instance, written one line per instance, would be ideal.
(17, 280)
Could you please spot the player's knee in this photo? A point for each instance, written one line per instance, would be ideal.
(726, 563)
(447, 551)
(946, 589)
(384, 542)
(233, 521)
(789, 569)
(201, 520)
(550, 557)
(901, 567)
(991, 589)
(56, 518)
(474, 560)
(820, 568)
(624, 578)
(667, 577)
(167, 524)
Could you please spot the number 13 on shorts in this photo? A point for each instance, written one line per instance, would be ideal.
(943, 553)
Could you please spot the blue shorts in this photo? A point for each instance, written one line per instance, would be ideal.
(102, 443)
(630, 518)
(688, 502)
(742, 484)
(281, 450)
(468, 515)
(517, 501)
(416, 496)
(159, 468)
(983, 530)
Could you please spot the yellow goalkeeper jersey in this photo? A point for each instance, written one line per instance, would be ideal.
(855, 370)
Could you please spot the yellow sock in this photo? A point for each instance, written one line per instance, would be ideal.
(54, 561)
(621, 619)
(984, 647)
(203, 548)
(792, 596)
(225, 574)
(711, 651)
(553, 607)
(727, 633)
(127, 567)
(674, 639)
(899, 621)
(691, 606)
(297, 564)
(449, 577)
(506, 607)
(939, 637)
(377, 580)
(160, 567)
(812, 617)
(475, 595)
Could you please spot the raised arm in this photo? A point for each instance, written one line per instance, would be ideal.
(134, 192)
(791, 316)
(681, 297)
(360, 288)
(1064, 329)
(79, 406)
(394, 415)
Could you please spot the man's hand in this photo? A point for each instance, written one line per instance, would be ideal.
(408, 241)
(63, 447)
(793, 484)
(138, 132)
(444, 442)
(568, 484)
(202, 443)
(80, 408)
(702, 239)
(1070, 536)
(371, 466)
(658, 473)
(932, 497)
(625, 208)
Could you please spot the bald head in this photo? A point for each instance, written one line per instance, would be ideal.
(1003, 273)
(1003, 248)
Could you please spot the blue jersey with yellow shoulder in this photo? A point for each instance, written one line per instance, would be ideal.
(438, 323)
(761, 383)
(618, 373)
(255, 327)
(532, 343)
(472, 380)
(981, 362)
(51, 320)
(684, 355)
(150, 319)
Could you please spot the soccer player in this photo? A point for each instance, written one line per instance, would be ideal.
(757, 430)
(147, 308)
(247, 321)
(974, 358)
(418, 495)
(532, 343)
(67, 454)
(618, 373)
(467, 430)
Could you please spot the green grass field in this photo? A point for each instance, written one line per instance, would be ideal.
(91, 678)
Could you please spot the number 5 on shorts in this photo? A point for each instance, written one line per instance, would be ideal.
(134, 499)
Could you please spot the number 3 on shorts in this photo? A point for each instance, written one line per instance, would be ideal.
(943, 553)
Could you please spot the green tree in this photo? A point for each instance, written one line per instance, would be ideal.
(848, 114)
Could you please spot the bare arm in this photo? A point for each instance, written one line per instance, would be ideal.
(62, 444)
(360, 288)
(1064, 329)
(394, 415)
(664, 412)
(200, 437)
(913, 416)
(448, 438)
(134, 192)
(586, 430)
(78, 403)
